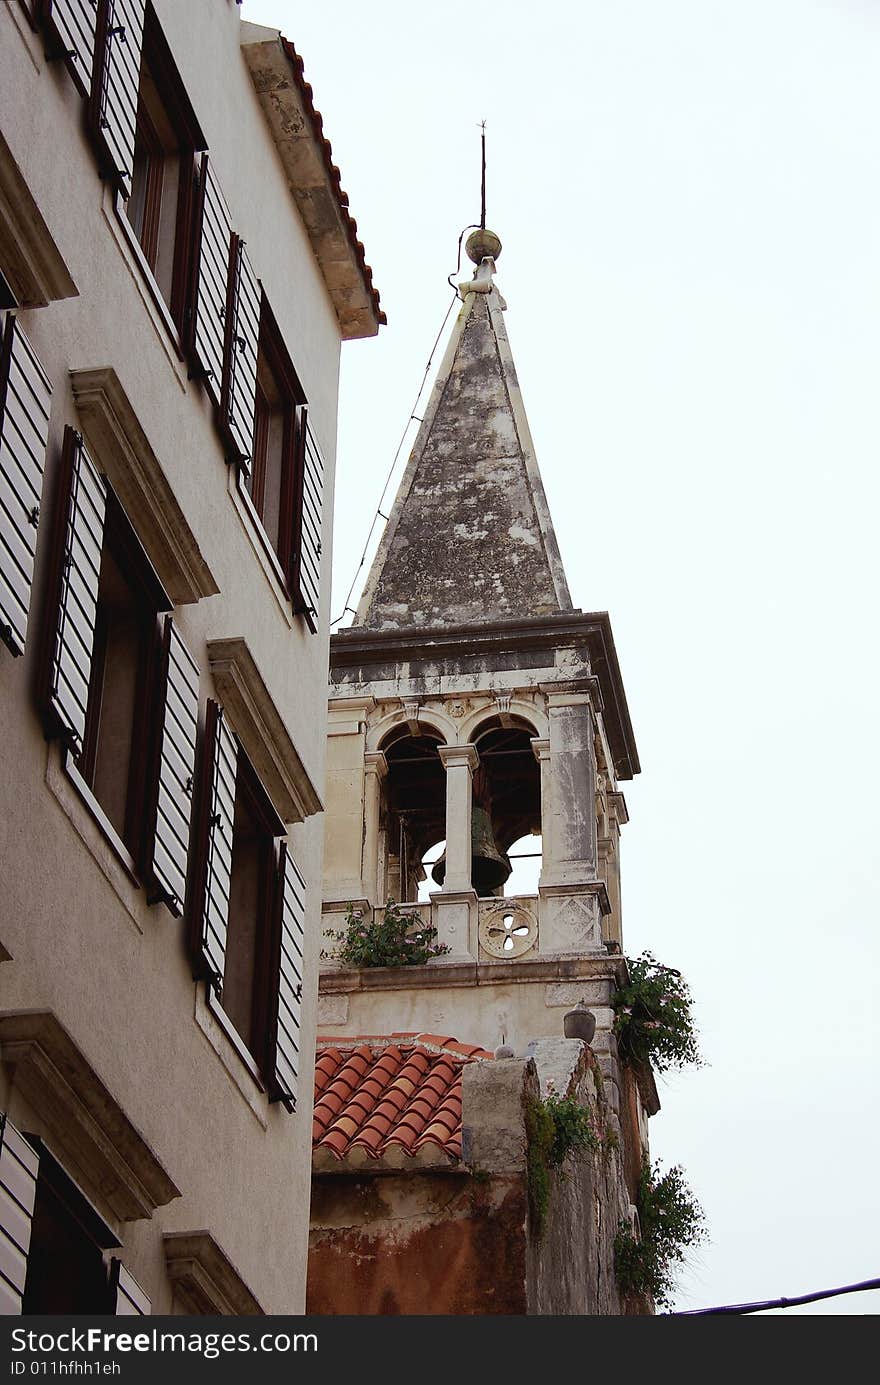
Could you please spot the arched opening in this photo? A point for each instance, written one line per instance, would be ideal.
(413, 817)
(510, 787)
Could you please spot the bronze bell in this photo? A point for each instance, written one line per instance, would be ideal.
(489, 866)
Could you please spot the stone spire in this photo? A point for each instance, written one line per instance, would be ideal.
(469, 539)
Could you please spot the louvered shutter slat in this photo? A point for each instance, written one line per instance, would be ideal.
(287, 1001)
(78, 602)
(25, 395)
(239, 399)
(127, 1296)
(177, 756)
(310, 539)
(218, 871)
(72, 25)
(19, 1165)
(212, 287)
(120, 79)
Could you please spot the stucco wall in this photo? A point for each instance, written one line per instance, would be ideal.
(84, 942)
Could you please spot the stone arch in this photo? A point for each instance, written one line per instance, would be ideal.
(431, 720)
(525, 715)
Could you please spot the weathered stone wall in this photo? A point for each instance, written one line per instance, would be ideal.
(467, 1240)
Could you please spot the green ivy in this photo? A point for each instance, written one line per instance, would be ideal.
(397, 939)
(671, 1223)
(653, 1016)
(554, 1128)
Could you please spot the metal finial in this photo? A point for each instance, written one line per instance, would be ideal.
(483, 179)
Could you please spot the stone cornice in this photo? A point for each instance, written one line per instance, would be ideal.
(261, 729)
(359, 648)
(122, 450)
(205, 1278)
(443, 975)
(33, 265)
(85, 1120)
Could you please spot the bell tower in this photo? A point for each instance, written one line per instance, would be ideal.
(473, 705)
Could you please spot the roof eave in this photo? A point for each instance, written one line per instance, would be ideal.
(276, 70)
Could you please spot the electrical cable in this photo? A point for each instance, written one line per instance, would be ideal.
(412, 417)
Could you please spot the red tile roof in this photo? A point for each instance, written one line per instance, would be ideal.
(377, 1092)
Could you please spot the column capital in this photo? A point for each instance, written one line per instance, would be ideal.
(540, 748)
(459, 756)
(376, 763)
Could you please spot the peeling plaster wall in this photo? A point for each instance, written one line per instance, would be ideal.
(465, 1241)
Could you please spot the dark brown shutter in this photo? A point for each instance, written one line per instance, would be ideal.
(84, 504)
(177, 758)
(71, 27)
(117, 82)
(285, 1005)
(240, 392)
(307, 564)
(127, 1298)
(25, 395)
(221, 756)
(211, 296)
(19, 1165)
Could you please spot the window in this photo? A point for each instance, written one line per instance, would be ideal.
(246, 926)
(115, 752)
(119, 687)
(53, 1241)
(66, 1270)
(160, 205)
(274, 480)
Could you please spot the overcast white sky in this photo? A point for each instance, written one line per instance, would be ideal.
(688, 193)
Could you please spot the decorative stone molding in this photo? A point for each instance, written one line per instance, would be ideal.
(348, 716)
(457, 756)
(91, 1129)
(376, 763)
(502, 702)
(122, 450)
(261, 729)
(411, 712)
(33, 265)
(507, 929)
(204, 1278)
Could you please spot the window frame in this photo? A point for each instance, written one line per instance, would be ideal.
(156, 56)
(273, 349)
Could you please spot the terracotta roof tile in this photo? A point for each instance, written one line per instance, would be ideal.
(401, 1090)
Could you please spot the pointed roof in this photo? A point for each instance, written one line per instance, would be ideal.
(470, 537)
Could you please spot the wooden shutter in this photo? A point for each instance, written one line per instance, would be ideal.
(84, 504)
(71, 27)
(177, 757)
(240, 394)
(220, 764)
(212, 286)
(25, 395)
(307, 565)
(19, 1165)
(116, 88)
(285, 1005)
(127, 1298)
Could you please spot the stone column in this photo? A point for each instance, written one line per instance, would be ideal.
(375, 770)
(572, 897)
(573, 767)
(459, 761)
(541, 749)
(455, 906)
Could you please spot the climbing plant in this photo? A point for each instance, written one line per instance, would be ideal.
(397, 939)
(653, 1016)
(671, 1222)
